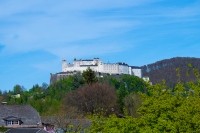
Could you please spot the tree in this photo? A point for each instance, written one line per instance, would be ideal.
(18, 89)
(121, 93)
(166, 69)
(89, 76)
(44, 85)
(2, 98)
(77, 81)
(132, 102)
(68, 118)
(112, 124)
(171, 110)
(133, 83)
(90, 98)
(163, 110)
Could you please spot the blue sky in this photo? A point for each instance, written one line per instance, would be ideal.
(36, 35)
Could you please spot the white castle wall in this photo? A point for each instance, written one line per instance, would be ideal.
(137, 72)
(97, 65)
(123, 69)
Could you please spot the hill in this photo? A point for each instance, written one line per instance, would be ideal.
(168, 69)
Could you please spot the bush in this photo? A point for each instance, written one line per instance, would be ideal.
(3, 129)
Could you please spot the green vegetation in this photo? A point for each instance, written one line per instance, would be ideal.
(116, 104)
(163, 110)
(3, 129)
(83, 91)
(171, 110)
(89, 76)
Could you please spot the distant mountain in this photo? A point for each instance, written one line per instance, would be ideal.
(167, 69)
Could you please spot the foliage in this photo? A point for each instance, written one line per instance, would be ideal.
(2, 98)
(89, 76)
(18, 89)
(48, 99)
(68, 118)
(133, 83)
(112, 124)
(92, 97)
(3, 129)
(121, 93)
(77, 81)
(128, 84)
(131, 104)
(163, 110)
(171, 110)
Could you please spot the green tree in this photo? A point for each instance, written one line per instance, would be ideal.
(77, 81)
(163, 110)
(132, 102)
(89, 76)
(133, 83)
(112, 124)
(121, 93)
(171, 110)
(18, 89)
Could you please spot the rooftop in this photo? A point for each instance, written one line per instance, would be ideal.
(26, 113)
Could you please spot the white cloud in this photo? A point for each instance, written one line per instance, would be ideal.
(35, 25)
(74, 51)
(57, 25)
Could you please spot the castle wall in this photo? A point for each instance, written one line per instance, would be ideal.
(123, 69)
(98, 66)
(111, 68)
(137, 72)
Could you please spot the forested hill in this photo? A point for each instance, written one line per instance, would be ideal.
(168, 69)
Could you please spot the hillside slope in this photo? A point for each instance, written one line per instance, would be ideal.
(167, 69)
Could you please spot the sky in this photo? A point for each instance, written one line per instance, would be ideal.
(36, 35)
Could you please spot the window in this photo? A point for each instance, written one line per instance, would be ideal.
(16, 122)
(9, 122)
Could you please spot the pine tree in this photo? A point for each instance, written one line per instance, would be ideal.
(89, 76)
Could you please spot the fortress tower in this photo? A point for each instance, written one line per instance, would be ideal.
(64, 65)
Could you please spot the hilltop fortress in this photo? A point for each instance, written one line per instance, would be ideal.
(96, 65)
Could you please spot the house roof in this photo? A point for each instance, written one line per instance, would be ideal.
(11, 118)
(26, 130)
(26, 113)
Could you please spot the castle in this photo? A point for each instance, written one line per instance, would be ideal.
(96, 65)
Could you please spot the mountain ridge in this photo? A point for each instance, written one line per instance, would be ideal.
(168, 69)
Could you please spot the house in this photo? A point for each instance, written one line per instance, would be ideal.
(19, 116)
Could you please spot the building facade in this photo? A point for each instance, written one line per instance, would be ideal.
(98, 65)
